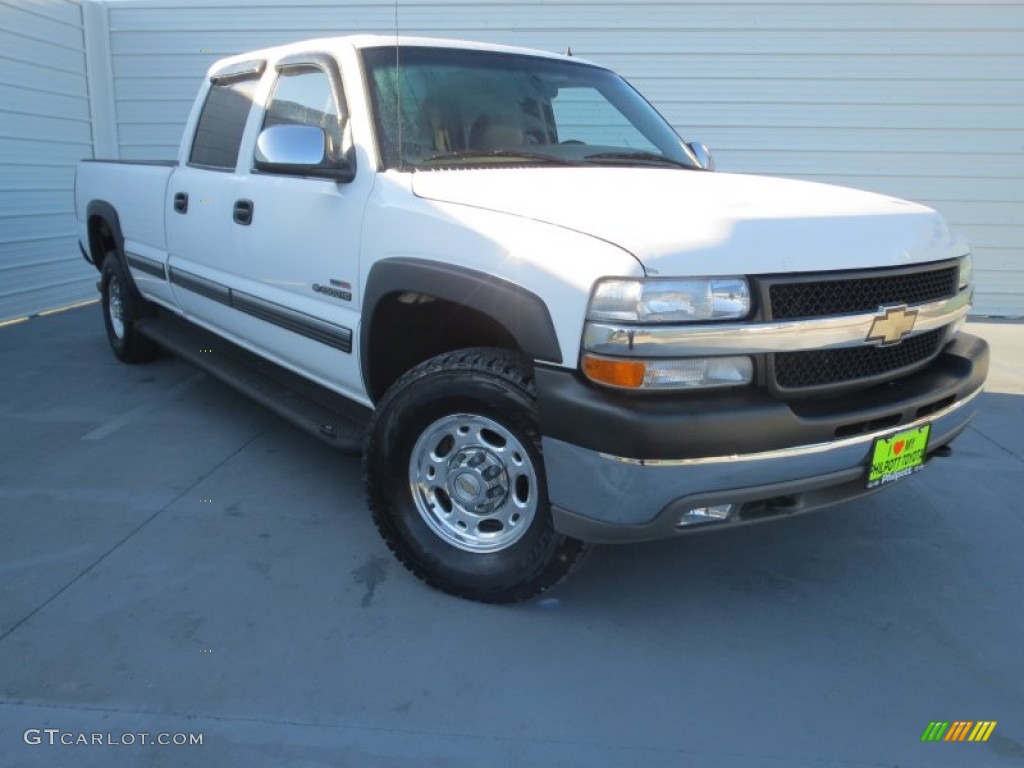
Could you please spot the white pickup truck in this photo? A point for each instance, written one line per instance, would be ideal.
(544, 322)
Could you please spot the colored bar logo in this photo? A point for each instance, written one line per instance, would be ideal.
(959, 730)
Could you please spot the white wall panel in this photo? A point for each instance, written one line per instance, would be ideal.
(917, 98)
(45, 129)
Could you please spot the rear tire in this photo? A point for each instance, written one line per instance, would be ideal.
(455, 479)
(122, 308)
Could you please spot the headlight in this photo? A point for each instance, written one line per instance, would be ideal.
(670, 301)
(966, 271)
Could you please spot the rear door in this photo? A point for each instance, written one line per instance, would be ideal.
(202, 237)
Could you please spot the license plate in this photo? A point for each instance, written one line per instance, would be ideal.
(898, 456)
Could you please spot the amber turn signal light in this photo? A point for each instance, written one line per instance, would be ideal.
(614, 372)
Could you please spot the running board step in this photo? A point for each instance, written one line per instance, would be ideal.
(333, 418)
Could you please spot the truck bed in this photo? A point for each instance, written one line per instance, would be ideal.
(136, 190)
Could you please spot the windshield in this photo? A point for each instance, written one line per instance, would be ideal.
(448, 107)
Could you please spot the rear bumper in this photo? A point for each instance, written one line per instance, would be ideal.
(731, 455)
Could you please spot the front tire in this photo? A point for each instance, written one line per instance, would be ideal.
(122, 307)
(455, 479)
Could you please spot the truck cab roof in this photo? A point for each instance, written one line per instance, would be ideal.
(335, 44)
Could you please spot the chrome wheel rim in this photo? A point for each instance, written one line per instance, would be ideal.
(473, 483)
(115, 308)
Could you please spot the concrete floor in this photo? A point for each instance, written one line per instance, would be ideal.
(174, 559)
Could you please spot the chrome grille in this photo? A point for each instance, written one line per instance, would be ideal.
(823, 294)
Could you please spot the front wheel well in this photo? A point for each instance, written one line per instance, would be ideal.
(408, 328)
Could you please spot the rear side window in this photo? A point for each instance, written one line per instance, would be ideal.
(221, 123)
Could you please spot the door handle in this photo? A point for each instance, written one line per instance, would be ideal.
(181, 202)
(243, 212)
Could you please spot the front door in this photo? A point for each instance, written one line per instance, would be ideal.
(299, 251)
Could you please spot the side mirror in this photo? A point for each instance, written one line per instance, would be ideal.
(299, 150)
(707, 162)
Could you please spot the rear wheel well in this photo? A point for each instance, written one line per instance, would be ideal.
(102, 240)
(408, 328)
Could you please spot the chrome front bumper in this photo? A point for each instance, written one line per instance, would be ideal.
(600, 497)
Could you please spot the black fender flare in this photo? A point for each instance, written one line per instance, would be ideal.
(523, 313)
(103, 210)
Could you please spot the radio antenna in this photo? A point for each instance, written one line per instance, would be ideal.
(398, 91)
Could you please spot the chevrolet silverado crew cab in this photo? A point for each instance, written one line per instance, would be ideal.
(539, 315)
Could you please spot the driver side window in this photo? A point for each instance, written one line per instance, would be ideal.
(305, 97)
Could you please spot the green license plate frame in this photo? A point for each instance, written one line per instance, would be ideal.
(897, 456)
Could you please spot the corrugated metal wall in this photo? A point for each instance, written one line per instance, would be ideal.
(44, 130)
(915, 98)
(922, 99)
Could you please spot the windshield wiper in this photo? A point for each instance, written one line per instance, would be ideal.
(497, 154)
(644, 157)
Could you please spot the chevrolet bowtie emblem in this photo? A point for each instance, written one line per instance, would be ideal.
(893, 325)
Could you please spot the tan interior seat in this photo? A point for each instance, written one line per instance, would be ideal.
(489, 132)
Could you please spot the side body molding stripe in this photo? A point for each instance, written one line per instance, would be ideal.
(314, 328)
(311, 327)
(150, 267)
(202, 286)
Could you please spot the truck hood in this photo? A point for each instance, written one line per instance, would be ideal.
(678, 222)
